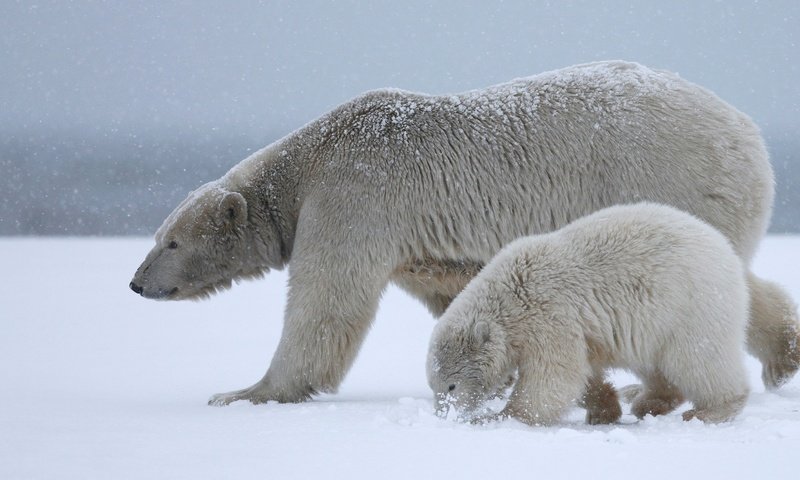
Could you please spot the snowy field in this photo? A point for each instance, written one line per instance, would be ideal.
(96, 382)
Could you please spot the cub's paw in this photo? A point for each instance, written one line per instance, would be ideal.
(719, 412)
(487, 419)
(725, 413)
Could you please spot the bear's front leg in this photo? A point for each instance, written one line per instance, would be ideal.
(333, 297)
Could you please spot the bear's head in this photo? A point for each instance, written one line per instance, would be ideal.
(468, 363)
(203, 245)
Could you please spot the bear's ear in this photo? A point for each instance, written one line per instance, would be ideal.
(233, 208)
(480, 332)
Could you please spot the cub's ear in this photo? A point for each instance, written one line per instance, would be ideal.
(233, 208)
(480, 332)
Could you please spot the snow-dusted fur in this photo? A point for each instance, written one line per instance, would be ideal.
(424, 190)
(643, 287)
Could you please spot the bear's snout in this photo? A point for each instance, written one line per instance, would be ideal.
(136, 288)
(156, 294)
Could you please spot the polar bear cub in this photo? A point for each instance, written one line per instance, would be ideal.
(641, 287)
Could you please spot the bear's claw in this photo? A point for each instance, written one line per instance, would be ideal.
(254, 395)
(775, 375)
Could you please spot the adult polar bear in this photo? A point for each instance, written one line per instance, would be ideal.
(424, 190)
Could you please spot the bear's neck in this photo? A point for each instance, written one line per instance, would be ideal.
(272, 181)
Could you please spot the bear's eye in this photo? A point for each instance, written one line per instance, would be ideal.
(451, 387)
(172, 245)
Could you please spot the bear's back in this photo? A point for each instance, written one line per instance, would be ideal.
(650, 269)
(505, 161)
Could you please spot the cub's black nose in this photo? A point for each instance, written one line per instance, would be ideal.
(136, 288)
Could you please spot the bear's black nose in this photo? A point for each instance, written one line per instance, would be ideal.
(136, 288)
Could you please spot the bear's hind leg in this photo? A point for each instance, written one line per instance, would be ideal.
(773, 332)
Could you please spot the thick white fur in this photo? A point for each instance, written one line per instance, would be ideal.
(643, 287)
(424, 190)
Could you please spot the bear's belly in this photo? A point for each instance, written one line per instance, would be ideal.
(435, 281)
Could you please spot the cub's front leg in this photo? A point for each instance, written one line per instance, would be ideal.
(554, 373)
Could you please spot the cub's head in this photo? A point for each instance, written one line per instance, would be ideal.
(467, 364)
(204, 244)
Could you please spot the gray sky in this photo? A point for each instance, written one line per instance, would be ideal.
(252, 67)
(110, 111)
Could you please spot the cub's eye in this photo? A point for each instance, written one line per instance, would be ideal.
(172, 245)
(451, 387)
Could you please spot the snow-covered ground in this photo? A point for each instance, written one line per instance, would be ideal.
(96, 382)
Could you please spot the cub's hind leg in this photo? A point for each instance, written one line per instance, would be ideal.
(716, 386)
